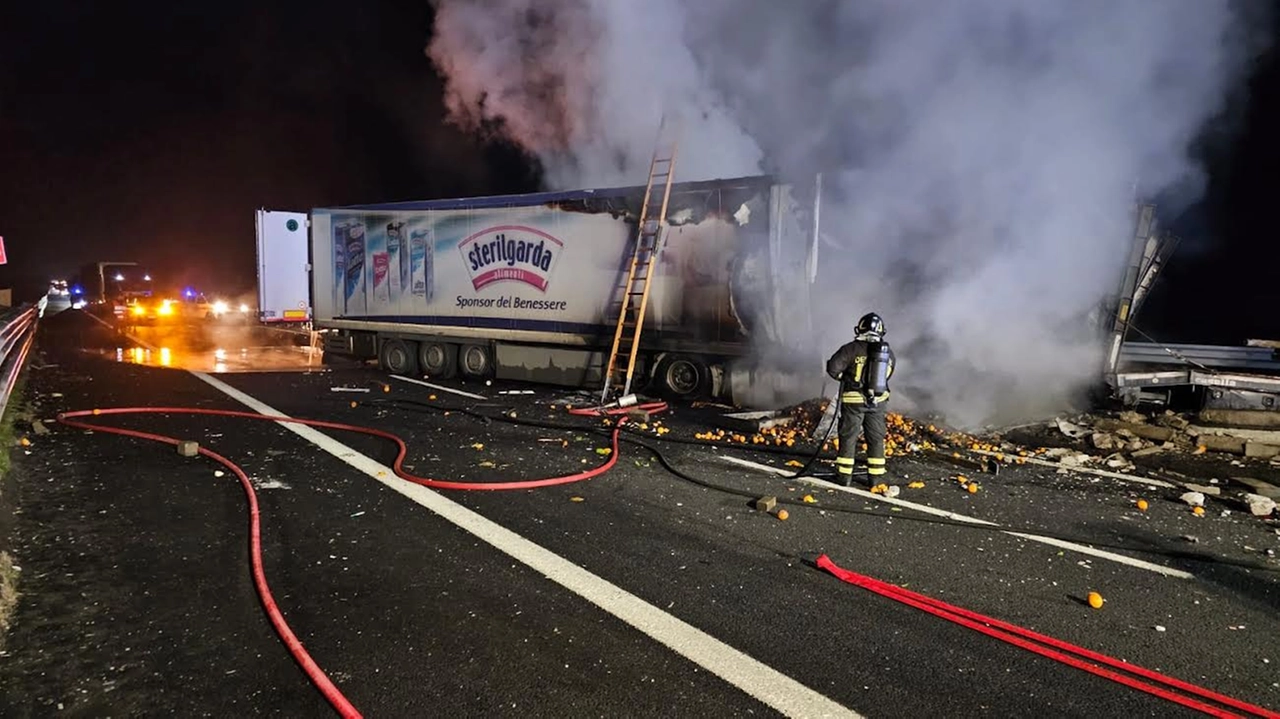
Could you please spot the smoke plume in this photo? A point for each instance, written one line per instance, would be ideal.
(980, 158)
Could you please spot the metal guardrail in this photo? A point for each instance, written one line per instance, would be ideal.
(1261, 359)
(17, 334)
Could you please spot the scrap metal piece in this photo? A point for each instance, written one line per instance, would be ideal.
(754, 422)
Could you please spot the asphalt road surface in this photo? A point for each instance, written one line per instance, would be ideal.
(637, 593)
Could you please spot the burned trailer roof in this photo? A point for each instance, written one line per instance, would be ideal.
(701, 197)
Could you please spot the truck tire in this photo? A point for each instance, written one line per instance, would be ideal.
(398, 357)
(438, 359)
(475, 361)
(682, 377)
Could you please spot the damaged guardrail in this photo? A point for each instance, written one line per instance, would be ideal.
(1214, 356)
(17, 334)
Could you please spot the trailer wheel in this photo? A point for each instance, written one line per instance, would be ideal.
(474, 361)
(398, 357)
(438, 359)
(682, 376)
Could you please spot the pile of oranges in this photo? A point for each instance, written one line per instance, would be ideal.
(904, 434)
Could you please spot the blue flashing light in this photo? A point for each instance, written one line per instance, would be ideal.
(188, 292)
(77, 290)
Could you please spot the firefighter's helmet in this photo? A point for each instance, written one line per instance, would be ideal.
(870, 324)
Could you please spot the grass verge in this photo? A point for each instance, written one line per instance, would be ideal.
(8, 593)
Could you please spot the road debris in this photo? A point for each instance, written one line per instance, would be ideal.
(1195, 499)
(188, 448)
(765, 504)
(348, 389)
(755, 422)
(1259, 505)
(1266, 489)
(1095, 600)
(1203, 489)
(1072, 430)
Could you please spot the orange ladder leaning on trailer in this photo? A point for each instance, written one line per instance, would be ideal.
(620, 369)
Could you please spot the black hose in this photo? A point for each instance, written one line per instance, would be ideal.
(843, 509)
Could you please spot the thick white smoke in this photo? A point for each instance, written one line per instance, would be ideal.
(981, 156)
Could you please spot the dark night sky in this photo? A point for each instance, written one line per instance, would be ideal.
(151, 131)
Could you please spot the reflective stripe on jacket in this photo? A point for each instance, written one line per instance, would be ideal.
(857, 398)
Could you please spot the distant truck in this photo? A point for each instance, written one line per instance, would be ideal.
(110, 287)
(529, 286)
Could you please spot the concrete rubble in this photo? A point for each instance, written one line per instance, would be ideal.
(1139, 436)
(1259, 505)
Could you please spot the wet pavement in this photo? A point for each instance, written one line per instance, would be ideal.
(137, 597)
(215, 348)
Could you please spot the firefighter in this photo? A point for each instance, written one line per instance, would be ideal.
(863, 368)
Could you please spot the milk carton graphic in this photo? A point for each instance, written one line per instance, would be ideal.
(355, 289)
(379, 265)
(339, 231)
(421, 261)
(398, 251)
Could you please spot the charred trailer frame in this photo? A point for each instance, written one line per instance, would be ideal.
(1202, 377)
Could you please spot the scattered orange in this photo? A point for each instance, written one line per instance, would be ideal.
(1142, 505)
(1198, 511)
(782, 514)
(1095, 600)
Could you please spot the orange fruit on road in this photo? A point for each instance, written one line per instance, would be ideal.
(782, 514)
(1198, 511)
(1142, 505)
(1095, 600)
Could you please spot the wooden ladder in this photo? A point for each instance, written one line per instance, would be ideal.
(620, 370)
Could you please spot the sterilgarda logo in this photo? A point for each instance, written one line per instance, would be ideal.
(510, 253)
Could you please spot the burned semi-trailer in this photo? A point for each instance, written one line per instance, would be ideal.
(530, 286)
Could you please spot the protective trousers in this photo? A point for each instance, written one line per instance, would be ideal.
(855, 417)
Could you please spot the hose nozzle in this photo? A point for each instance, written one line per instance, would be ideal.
(626, 400)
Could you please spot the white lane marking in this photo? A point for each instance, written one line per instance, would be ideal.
(1086, 470)
(1061, 544)
(753, 677)
(439, 387)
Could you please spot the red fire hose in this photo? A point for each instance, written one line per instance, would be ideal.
(1025, 638)
(313, 671)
